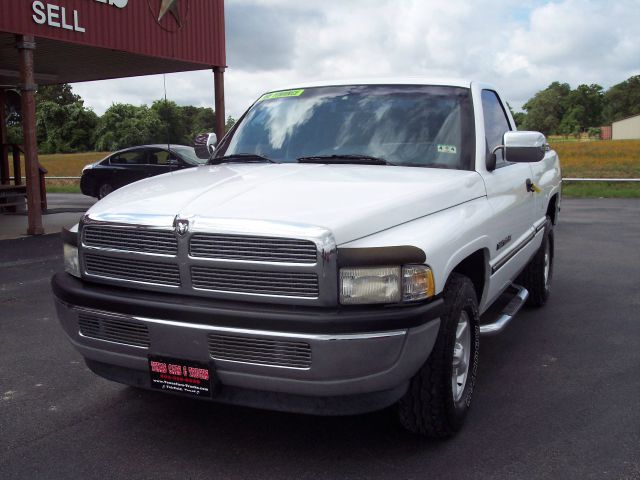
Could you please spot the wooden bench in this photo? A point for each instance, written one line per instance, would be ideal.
(12, 196)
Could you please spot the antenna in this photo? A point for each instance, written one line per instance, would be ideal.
(166, 109)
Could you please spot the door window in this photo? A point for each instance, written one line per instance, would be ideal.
(136, 157)
(495, 124)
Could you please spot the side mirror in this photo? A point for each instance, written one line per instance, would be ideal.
(204, 144)
(523, 147)
(174, 162)
(212, 141)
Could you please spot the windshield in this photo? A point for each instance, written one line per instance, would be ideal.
(188, 154)
(409, 125)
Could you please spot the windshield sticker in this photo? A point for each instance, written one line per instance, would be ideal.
(282, 94)
(447, 149)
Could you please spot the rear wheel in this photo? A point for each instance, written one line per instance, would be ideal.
(537, 275)
(104, 190)
(440, 393)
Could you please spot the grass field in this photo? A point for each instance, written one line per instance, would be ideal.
(600, 159)
(579, 159)
(66, 165)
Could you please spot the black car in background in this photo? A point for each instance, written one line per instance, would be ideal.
(132, 164)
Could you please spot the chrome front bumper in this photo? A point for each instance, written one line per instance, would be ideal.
(339, 364)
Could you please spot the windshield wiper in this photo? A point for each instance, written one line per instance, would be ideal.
(345, 159)
(240, 157)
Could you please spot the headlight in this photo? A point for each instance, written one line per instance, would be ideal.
(70, 246)
(368, 285)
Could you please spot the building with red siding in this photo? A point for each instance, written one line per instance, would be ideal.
(45, 42)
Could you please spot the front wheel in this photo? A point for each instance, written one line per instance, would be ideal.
(537, 275)
(439, 395)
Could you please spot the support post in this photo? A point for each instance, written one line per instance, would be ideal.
(218, 80)
(17, 170)
(4, 140)
(26, 44)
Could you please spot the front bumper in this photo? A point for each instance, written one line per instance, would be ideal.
(355, 359)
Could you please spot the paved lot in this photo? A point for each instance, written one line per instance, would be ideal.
(64, 210)
(557, 396)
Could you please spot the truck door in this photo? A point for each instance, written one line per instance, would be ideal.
(512, 203)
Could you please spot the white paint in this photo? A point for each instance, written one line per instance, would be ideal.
(55, 16)
(39, 16)
(8, 395)
(350, 200)
(115, 3)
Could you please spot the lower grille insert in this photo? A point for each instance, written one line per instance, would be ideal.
(282, 284)
(260, 351)
(113, 329)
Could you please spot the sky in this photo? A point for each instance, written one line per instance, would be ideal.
(518, 46)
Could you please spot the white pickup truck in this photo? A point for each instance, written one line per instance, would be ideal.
(339, 254)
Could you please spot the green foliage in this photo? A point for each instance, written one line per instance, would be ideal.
(198, 120)
(593, 132)
(173, 126)
(63, 124)
(60, 94)
(65, 128)
(124, 125)
(585, 105)
(560, 110)
(230, 123)
(14, 132)
(518, 117)
(547, 108)
(622, 100)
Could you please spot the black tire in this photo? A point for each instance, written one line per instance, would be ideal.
(533, 277)
(103, 190)
(429, 407)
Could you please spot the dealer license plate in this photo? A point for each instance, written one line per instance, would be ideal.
(180, 376)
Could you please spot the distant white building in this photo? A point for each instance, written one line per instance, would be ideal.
(626, 129)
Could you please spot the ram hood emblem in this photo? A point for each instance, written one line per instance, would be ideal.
(181, 226)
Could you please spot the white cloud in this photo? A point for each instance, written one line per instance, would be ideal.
(520, 46)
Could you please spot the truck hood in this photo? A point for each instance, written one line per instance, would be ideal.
(352, 201)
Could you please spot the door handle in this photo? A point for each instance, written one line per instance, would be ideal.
(531, 187)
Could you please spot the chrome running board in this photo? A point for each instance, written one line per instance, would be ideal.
(510, 311)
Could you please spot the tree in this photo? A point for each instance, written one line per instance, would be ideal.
(64, 125)
(584, 106)
(230, 123)
(571, 122)
(198, 120)
(61, 94)
(546, 109)
(65, 128)
(124, 125)
(518, 117)
(622, 100)
(173, 126)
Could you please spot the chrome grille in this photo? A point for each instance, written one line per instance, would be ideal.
(253, 248)
(132, 270)
(261, 351)
(130, 239)
(285, 284)
(113, 329)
